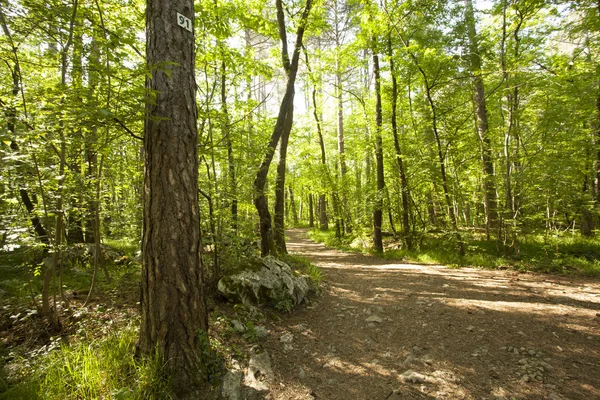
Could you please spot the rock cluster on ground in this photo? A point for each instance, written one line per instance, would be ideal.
(249, 383)
(273, 284)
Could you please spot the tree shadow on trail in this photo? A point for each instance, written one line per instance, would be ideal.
(495, 333)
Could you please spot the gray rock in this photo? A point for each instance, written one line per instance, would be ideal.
(260, 332)
(274, 283)
(409, 360)
(374, 318)
(260, 372)
(286, 338)
(301, 373)
(231, 388)
(238, 326)
(411, 376)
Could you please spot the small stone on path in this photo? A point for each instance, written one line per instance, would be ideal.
(286, 338)
(374, 318)
(411, 376)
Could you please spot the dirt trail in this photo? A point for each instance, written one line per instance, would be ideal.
(464, 333)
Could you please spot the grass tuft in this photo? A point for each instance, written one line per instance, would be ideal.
(97, 369)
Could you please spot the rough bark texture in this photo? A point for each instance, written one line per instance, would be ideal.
(173, 310)
(489, 185)
(279, 209)
(378, 205)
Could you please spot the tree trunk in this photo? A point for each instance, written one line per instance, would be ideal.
(173, 309)
(378, 205)
(279, 208)
(293, 206)
(323, 220)
(489, 185)
(511, 139)
(267, 245)
(345, 209)
(405, 194)
(230, 159)
(311, 215)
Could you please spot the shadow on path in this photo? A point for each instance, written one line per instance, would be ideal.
(472, 334)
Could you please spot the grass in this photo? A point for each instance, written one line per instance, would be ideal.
(104, 368)
(304, 266)
(565, 253)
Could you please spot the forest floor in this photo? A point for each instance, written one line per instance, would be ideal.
(383, 330)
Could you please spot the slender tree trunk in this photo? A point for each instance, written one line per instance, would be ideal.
(11, 118)
(279, 208)
(173, 308)
(597, 131)
(440, 153)
(311, 215)
(378, 205)
(230, 158)
(293, 206)
(405, 194)
(345, 209)
(323, 219)
(512, 140)
(267, 245)
(489, 185)
(91, 139)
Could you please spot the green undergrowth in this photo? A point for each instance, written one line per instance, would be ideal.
(95, 369)
(304, 266)
(564, 253)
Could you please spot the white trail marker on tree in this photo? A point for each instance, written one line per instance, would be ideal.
(184, 22)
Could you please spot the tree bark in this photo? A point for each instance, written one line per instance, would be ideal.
(279, 208)
(311, 215)
(267, 245)
(405, 194)
(173, 309)
(230, 158)
(489, 185)
(378, 204)
(293, 206)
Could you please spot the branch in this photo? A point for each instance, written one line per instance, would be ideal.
(122, 125)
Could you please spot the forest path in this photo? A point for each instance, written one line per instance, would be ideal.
(464, 333)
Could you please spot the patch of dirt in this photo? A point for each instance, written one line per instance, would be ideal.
(383, 330)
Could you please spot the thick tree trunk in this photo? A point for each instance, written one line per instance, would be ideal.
(378, 204)
(173, 309)
(489, 185)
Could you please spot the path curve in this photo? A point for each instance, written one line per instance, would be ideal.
(464, 333)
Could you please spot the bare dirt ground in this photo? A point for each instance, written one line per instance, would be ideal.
(399, 331)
